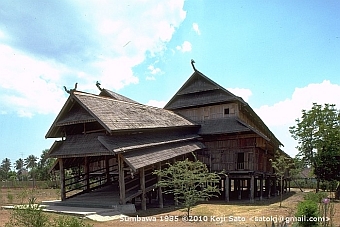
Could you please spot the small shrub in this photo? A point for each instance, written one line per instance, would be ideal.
(10, 198)
(316, 197)
(68, 221)
(30, 215)
(305, 210)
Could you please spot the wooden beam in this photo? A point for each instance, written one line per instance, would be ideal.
(121, 179)
(261, 188)
(160, 193)
(87, 173)
(107, 169)
(62, 180)
(227, 188)
(142, 187)
(252, 189)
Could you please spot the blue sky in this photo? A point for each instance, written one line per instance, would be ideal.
(280, 56)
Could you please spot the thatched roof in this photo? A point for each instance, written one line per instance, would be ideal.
(78, 146)
(227, 125)
(126, 143)
(114, 115)
(107, 93)
(199, 90)
(138, 150)
(152, 155)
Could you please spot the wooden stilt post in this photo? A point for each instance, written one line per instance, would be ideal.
(121, 179)
(107, 169)
(252, 188)
(239, 189)
(227, 187)
(261, 188)
(87, 173)
(275, 189)
(142, 187)
(160, 193)
(268, 187)
(62, 180)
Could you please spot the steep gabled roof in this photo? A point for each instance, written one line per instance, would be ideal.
(114, 115)
(199, 90)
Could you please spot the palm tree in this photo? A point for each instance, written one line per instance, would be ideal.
(19, 166)
(31, 164)
(5, 167)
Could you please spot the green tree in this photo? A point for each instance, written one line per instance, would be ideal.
(317, 131)
(5, 168)
(31, 164)
(281, 163)
(44, 165)
(19, 166)
(189, 182)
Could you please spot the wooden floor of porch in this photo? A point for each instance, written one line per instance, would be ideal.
(104, 197)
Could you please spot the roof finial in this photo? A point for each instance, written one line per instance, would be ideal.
(193, 66)
(98, 86)
(71, 90)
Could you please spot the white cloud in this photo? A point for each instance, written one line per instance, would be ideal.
(280, 116)
(122, 35)
(244, 93)
(196, 28)
(303, 98)
(156, 103)
(29, 85)
(154, 70)
(185, 47)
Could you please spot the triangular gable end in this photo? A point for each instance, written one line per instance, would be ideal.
(73, 112)
(200, 85)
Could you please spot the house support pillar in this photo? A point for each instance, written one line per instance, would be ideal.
(142, 187)
(252, 188)
(275, 188)
(121, 179)
(107, 169)
(62, 180)
(261, 188)
(226, 188)
(160, 193)
(268, 187)
(239, 191)
(87, 173)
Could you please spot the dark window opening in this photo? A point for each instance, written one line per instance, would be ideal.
(226, 111)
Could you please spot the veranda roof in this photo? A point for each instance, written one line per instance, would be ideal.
(227, 125)
(148, 156)
(78, 146)
(123, 143)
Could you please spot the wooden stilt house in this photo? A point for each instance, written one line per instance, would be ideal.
(111, 140)
(237, 141)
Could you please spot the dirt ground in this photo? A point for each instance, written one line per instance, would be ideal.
(214, 213)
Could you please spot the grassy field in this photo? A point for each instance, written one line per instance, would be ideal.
(214, 213)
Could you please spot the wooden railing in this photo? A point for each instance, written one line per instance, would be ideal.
(83, 183)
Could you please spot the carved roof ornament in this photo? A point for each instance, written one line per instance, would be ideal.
(98, 86)
(71, 90)
(192, 64)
